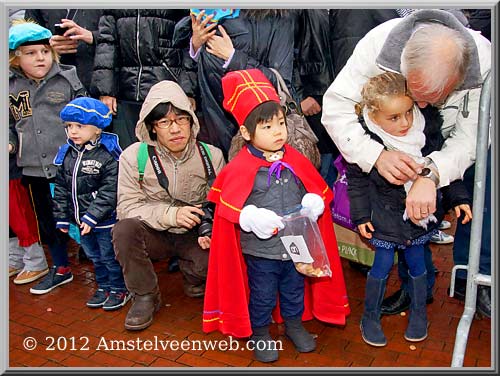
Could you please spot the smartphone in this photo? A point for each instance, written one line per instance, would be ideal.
(58, 30)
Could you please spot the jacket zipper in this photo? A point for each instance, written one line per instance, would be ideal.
(74, 191)
(138, 85)
(20, 151)
(175, 177)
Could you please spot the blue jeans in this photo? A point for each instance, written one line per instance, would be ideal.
(429, 267)
(462, 234)
(268, 277)
(384, 259)
(108, 272)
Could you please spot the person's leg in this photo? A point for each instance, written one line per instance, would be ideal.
(91, 249)
(135, 244)
(400, 300)
(193, 263)
(371, 329)
(16, 254)
(118, 294)
(125, 121)
(263, 275)
(417, 323)
(291, 293)
(462, 243)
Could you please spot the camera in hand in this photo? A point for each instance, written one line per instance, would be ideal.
(59, 30)
(205, 227)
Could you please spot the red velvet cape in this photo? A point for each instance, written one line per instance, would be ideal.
(226, 295)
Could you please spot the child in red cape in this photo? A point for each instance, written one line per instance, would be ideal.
(248, 265)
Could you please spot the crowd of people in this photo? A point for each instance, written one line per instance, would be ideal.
(174, 88)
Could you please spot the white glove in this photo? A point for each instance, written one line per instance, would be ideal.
(262, 222)
(313, 204)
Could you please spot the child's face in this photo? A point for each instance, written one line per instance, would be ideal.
(81, 133)
(270, 135)
(35, 61)
(395, 115)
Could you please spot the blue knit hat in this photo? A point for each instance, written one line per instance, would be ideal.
(86, 110)
(26, 33)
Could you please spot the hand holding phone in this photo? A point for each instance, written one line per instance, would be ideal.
(59, 30)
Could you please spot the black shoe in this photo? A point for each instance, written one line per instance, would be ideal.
(363, 269)
(173, 264)
(399, 302)
(483, 302)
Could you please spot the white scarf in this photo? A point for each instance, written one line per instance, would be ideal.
(411, 144)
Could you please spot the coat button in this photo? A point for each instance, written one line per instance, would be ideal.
(38, 131)
(44, 155)
(284, 255)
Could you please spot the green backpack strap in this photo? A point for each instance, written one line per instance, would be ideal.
(142, 158)
(205, 146)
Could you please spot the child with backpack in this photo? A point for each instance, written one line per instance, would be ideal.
(85, 194)
(378, 208)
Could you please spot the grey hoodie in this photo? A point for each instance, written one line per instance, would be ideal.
(186, 175)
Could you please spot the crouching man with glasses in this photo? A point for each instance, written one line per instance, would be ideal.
(163, 181)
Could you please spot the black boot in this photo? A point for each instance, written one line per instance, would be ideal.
(303, 340)
(371, 330)
(483, 302)
(399, 302)
(417, 323)
(264, 347)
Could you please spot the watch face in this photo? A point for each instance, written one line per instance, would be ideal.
(425, 171)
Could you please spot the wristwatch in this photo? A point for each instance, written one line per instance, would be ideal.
(430, 174)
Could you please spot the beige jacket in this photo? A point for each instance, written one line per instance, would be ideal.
(186, 175)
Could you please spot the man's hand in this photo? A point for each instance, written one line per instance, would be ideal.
(310, 106)
(421, 200)
(11, 148)
(204, 242)
(397, 167)
(220, 46)
(85, 228)
(201, 32)
(63, 45)
(363, 229)
(467, 212)
(189, 216)
(76, 32)
(110, 102)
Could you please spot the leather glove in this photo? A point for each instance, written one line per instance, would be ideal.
(313, 204)
(262, 222)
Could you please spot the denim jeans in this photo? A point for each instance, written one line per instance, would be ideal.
(99, 248)
(384, 259)
(462, 234)
(266, 278)
(429, 267)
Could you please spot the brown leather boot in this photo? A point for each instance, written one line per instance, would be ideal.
(140, 314)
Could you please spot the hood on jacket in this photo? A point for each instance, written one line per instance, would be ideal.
(390, 55)
(164, 92)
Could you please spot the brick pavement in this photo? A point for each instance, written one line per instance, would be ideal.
(62, 313)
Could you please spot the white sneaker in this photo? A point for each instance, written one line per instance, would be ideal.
(444, 225)
(442, 238)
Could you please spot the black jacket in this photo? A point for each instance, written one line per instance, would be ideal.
(372, 198)
(86, 184)
(83, 60)
(259, 43)
(348, 26)
(135, 50)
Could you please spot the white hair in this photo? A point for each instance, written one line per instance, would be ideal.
(438, 53)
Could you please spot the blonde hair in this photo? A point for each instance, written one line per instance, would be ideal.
(379, 88)
(14, 55)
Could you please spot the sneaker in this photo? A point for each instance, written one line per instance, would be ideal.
(56, 277)
(444, 225)
(27, 276)
(116, 300)
(13, 271)
(442, 238)
(98, 299)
